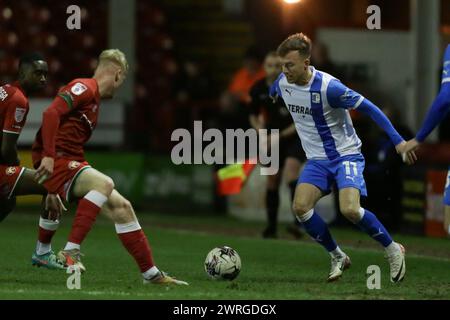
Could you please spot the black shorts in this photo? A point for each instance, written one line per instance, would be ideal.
(7, 205)
(291, 148)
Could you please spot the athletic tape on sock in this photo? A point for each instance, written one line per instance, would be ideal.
(96, 198)
(48, 224)
(127, 227)
(71, 246)
(43, 248)
(150, 273)
(306, 216)
(361, 213)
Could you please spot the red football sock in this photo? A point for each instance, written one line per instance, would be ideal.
(87, 211)
(135, 241)
(47, 228)
(45, 236)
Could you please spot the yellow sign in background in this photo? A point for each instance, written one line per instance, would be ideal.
(25, 161)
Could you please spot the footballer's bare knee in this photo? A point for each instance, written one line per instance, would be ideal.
(305, 199)
(301, 208)
(105, 185)
(351, 211)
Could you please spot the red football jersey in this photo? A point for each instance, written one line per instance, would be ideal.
(77, 120)
(13, 109)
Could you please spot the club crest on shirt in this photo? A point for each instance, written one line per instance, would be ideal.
(19, 114)
(10, 171)
(73, 165)
(78, 88)
(315, 97)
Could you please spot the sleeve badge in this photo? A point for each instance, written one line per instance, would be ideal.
(19, 114)
(78, 88)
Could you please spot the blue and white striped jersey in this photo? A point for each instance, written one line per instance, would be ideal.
(320, 113)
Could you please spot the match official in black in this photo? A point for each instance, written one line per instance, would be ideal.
(266, 114)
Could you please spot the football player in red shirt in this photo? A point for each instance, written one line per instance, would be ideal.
(59, 156)
(14, 179)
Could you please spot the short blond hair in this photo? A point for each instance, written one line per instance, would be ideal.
(296, 42)
(114, 55)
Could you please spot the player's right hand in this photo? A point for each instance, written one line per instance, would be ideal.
(45, 170)
(408, 155)
(55, 206)
(411, 145)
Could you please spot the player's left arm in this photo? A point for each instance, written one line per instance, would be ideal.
(370, 109)
(15, 118)
(339, 96)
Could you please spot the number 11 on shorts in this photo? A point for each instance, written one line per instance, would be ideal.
(348, 165)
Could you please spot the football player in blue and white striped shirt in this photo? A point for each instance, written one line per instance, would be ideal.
(319, 105)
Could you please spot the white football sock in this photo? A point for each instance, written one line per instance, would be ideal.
(71, 246)
(392, 248)
(96, 198)
(150, 273)
(337, 253)
(43, 248)
(127, 227)
(46, 224)
(305, 217)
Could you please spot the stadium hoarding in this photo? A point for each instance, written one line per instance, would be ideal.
(148, 181)
(125, 168)
(434, 218)
(154, 182)
(166, 185)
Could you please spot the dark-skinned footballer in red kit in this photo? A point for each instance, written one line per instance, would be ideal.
(16, 180)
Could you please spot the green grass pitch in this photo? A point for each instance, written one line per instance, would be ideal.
(271, 269)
